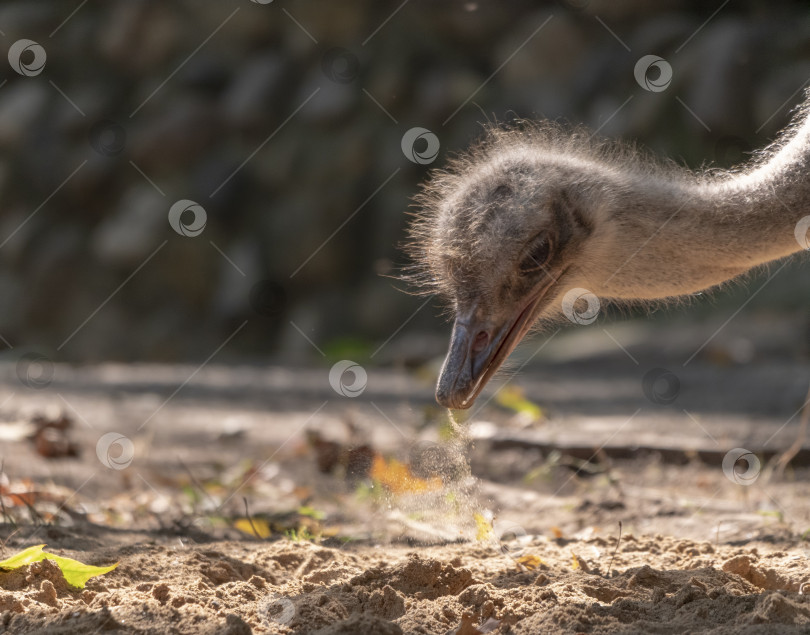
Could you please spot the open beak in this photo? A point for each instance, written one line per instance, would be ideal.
(477, 351)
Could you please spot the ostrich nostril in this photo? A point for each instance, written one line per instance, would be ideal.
(480, 342)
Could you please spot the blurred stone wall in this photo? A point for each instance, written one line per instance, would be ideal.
(284, 123)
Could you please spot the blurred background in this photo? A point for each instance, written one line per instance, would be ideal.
(201, 207)
(284, 121)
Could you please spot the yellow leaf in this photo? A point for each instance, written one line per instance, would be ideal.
(27, 556)
(574, 561)
(484, 531)
(530, 561)
(262, 527)
(398, 478)
(514, 398)
(76, 573)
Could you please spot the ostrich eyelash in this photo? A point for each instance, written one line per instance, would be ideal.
(538, 256)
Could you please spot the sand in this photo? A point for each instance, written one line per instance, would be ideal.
(656, 585)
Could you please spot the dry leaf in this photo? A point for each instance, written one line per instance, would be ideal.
(397, 477)
(578, 562)
(530, 561)
(327, 453)
(483, 528)
(257, 527)
(50, 436)
(18, 494)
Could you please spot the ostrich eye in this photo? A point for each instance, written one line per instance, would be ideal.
(537, 256)
(501, 192)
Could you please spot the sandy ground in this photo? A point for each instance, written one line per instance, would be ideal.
(656, 585)
(610, 512)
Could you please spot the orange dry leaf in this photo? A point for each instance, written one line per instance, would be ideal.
(397, 477)
(557, 532)
(19, 493)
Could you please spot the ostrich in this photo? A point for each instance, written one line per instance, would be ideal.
(535, 210)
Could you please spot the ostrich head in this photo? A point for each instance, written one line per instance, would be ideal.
(533, 212)
(501, 234)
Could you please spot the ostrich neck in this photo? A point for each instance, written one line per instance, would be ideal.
(679, 236)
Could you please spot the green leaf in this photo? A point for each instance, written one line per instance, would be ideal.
(76, 573)
(352, 348)
(32, 554)
(513, 398)
(306, 510)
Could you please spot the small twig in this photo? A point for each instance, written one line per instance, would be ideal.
(610, 566)
(6, 515)
(583, 465)
(10, 536)
(787, 456)
(250, 519)
(34, 513)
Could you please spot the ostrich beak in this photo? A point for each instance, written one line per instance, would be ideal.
(477, 351)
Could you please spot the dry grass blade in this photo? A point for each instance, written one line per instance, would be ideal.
(787, 456)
